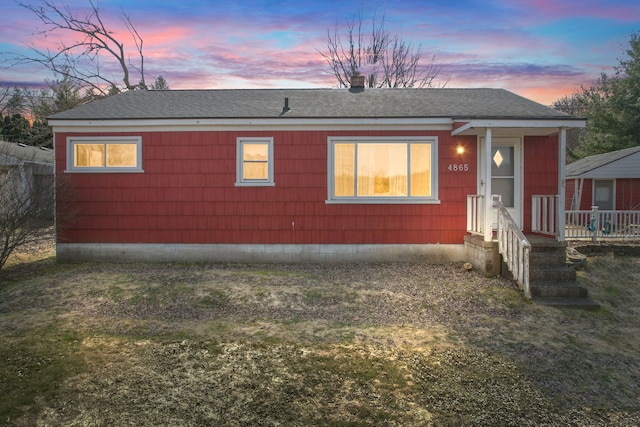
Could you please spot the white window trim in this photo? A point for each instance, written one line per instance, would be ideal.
(433, 199)
(73, 140)
(240, 181)
(613, 194)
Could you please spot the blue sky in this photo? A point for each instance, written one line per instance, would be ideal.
(540, 49)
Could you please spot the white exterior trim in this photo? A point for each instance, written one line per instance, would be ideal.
(430, 139)
(141, 125)
(240, 180)
(613, 191)
(70, 157)
(519, 123)
(518, 179)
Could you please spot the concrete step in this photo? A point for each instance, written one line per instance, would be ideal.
(543, 274)
(558, 290)
(582, 303)
(552, 282)
(548, 258)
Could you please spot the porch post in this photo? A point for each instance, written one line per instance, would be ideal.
(560, 208)
(488, 202)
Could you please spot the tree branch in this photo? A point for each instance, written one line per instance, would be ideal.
(82, 59)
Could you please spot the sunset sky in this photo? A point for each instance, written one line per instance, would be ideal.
(541, 49)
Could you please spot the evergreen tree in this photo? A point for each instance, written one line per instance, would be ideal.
(61, 95)
(16, 129)
(160, 84)
(611, 106)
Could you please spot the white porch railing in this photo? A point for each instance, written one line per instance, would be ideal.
(598, 224)
(475, 214)
(512, 244)
(514, 248)
(544, 214)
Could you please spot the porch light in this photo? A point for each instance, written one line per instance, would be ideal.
(460, 149)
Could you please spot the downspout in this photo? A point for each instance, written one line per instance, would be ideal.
(560, 208)
(488, 203)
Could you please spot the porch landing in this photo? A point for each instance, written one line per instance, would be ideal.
(552, 282)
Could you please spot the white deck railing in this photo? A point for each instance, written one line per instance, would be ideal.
(598, 224)
(591, 224)
(514, 248)
(475, 214)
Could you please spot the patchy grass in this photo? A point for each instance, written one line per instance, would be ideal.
(362, 344)
(34, 365)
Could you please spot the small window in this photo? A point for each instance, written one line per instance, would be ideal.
(603, 194)
(255, 162)
(382, 170)
(98, 154)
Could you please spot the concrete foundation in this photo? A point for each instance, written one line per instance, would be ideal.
(120, 252)
(484, 256)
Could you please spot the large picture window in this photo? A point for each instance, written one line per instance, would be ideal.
(255, 162)
(103, 154)
(383, 170)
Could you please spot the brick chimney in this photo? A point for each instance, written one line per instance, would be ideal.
(357, 82)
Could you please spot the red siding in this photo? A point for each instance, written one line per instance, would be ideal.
(627, 194)
(540, 171)
(587, 193)
(187, 195)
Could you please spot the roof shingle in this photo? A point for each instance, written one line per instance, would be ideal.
(583, 168)
(313, 103)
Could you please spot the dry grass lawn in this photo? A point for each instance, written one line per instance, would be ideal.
(297, 345)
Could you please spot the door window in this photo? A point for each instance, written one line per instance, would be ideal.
(503, 174)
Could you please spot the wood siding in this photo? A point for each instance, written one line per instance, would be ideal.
(627, 195)
(540, 160)
(187, 195)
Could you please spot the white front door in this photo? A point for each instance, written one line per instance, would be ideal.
(506, 174)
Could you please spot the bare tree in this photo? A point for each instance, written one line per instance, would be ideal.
(29, 192)
(385, 59)
(86, 59)
(26, 202)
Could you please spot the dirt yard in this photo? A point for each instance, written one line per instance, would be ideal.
(297, 345)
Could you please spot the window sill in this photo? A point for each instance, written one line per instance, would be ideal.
(382, 201)
(104, 170)
(255, 184)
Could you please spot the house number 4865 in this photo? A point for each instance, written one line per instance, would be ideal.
(458, 167)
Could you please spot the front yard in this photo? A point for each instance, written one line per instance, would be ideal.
(365, 344)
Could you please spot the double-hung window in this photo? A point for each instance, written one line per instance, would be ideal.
(254, 161)
(104, 154)
(383, 170)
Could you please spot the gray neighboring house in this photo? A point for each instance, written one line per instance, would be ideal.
(30, 169)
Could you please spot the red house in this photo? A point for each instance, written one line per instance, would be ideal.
(610, 181)
(302, 174)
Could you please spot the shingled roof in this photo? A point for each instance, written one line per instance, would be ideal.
(313, 103)
(616, 164)
(24, 153)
